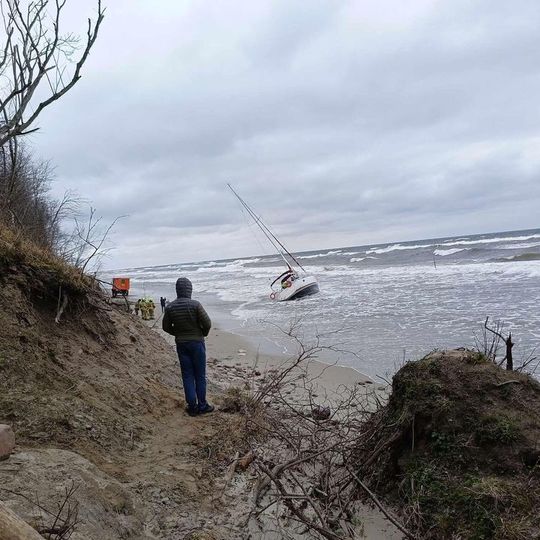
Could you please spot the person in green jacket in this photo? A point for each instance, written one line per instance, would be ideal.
(188, 322)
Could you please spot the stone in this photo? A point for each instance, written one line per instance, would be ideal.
(320, 413)
(245, 461)
(7, 441)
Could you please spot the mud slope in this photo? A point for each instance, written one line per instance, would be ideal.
(95, 403)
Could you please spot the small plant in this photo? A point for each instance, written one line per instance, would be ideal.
(497, 429)
(442, 443)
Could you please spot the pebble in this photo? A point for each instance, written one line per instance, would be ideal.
(7, 441)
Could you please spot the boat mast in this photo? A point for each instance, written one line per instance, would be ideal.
(267, 232)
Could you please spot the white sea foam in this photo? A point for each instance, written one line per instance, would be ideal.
(523, 245)
(358, 259)
(318, 255)
(386, 306)
(445, 252)
(459, 242)
(246, 261)
(397, 247)
(490, 240)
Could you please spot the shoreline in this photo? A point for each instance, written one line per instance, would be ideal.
(233, 359)
(235, 362)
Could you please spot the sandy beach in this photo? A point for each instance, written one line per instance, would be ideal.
(234, 359)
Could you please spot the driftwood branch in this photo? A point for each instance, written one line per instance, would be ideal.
(14, 528)
(230, 473)
(379, 505)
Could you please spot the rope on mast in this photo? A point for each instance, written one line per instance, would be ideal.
(257, 222)
(267, 232)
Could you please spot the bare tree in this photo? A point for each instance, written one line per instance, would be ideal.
(87, 241)
(60, 211)
(34, 59)
(24, 186)
(488, 342)
(529, 363)
(507, 341)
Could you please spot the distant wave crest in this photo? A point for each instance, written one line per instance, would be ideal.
(491, 240)
(397, 247)
(445, 252)
(358, 259)
(521, 257)
(318, 255)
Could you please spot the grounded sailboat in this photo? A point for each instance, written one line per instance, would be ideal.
(295, 282)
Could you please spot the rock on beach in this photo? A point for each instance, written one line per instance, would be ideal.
(7, 441)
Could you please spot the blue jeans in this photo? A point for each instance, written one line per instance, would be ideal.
(192, 356)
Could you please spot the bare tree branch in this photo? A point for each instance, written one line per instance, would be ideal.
(35, 55)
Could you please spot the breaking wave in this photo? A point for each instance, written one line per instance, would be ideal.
(445, 252)
(491, 240)
(520, 257)
(358, 259)
(397, 247)
(318, 255)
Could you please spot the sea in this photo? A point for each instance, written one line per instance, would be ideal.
(379, 305)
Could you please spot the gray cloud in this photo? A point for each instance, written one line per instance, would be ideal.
(341, 122)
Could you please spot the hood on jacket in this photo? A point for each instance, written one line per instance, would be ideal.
(184, 288)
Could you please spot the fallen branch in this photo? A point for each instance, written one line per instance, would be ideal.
(296, 511)
(61, 305)
(377, 451)
(230, 473)
(14, 528)
(263, 485)
(513, 381)
(378, 504)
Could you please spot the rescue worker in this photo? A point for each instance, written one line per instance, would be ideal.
(163, 302)
(189, 323)
(144, 309)
(151, 308)
(137, 306)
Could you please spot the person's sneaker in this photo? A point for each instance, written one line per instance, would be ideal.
(208, 409)
(192, 412)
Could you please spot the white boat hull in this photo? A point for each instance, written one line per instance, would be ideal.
(300, 287)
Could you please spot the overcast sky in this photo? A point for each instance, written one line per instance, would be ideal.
(341, 122)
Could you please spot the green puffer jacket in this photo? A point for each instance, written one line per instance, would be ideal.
(185, 318)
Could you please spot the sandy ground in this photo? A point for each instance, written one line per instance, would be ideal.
(233, 360)
(142, 467)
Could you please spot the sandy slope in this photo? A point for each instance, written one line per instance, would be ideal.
(96, 403)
